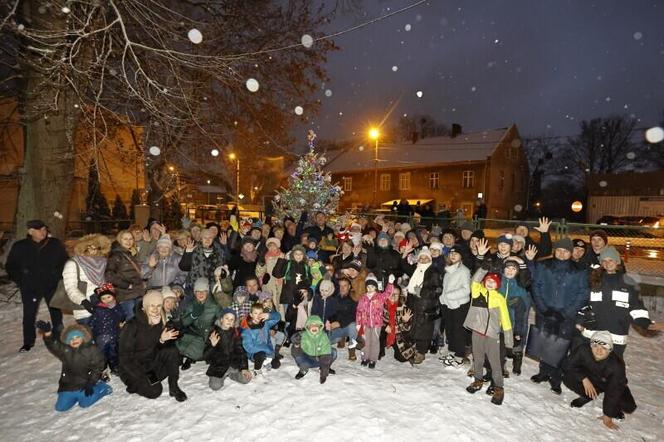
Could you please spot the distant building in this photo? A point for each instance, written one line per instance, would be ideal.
(625, 194)
(451, 171)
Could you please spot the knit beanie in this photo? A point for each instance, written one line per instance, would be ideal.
(424, 252)
(326, 285)
(578, 242)
(74, 333)
(511, 263)
(505, 238)
(437, 246)
(383, 235)
(274, 241)
(167, 292)
(495, 277)
(202, 285)
(601, 233)
(298, 248)
(603, 338)
(165, 240)
(609, 252)
(371, 280)
(226, 311)
(479, 234)
(519, 238)
(564, 243)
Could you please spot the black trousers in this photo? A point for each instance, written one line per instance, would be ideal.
(31, 300)
(457, 336)
(166, 364)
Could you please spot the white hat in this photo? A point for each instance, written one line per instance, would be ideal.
(202, 285)
(424, 252)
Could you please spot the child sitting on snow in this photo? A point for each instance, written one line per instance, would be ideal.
(311, 348)
(487, 315)
(225, 353)
(107, 318)
(256, 336)
(82, 366)
(369, 317)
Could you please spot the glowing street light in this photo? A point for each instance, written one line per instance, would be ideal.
(374, 134)
(235, 158)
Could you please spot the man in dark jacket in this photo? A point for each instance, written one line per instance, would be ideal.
(35, 264)
(544, 245)
(342, 324)
(320, 230)
(595, 368)
(383, 260)
(560, 289)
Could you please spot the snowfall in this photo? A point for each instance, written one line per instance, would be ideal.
(394, 402)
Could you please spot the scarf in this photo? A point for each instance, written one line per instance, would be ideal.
(318, 344)
(93, 267)
(417, 279)
(392, 322)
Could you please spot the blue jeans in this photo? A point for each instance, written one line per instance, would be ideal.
(67, 399)
(84, 321)
(128, 308)
(348, 331)
(306, 362)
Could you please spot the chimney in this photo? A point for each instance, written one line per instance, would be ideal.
(456, 130)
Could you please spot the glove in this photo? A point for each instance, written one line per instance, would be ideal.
(88, 389)
(266, 278)
(197, 309)
(390, 279)
(87, 305)
(44, 326)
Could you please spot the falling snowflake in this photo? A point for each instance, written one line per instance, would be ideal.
(603, 184)
(631, 155)
(298, 110)
(473, 89)
(65, 10)
(328, 92)
(638, 35)
(20, 27)
(408, 28)
(252, 85)
(307, 41)
(518, 208)
(361, 148)
(195, 36)
(395, 68)
(419, 94)
(154, 151)
(655, 135)
(214, 152)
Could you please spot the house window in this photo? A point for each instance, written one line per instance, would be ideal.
(404, 181)
(385, 181)
(468, 179)
(348, 183)
(501, 185)
(434, 180)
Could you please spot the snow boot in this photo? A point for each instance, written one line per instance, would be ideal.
(275, 363)
(418, 358)
(351, 355)
(324, 372)
(186, 365)
(433, 349)
(360, 343)
(364, 363)
(341, 343)
(556, 389)
(26, 348)
(475, 386)
(498, 396)
(174, 390)
(278, 355)
(539, 378)
(286, 343)
(332, 371)
(517, 360)
(580, 402)
(372, 364)
(491, 389)
(300, 374)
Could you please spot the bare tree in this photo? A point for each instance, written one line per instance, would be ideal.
(179, 68)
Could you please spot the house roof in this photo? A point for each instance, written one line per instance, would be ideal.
(476, 146)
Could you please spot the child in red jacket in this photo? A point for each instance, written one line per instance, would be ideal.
(369, 316)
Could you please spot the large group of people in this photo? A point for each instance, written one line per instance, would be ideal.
(237, 295)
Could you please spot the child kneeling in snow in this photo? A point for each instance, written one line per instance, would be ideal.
(369, 316)
(256, 336)
(225, 353)
(311, 348)
(82, 365)
(107, 318)
(487, 315)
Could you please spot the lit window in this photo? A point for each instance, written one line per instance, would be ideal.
(404, 181)
(348, 183)
(434, 180)
(468, 179)
(385, 181)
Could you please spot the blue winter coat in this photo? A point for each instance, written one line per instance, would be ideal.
(257, 338)
(518, 304)
(106, 321)
(324, 308)
(560, 286)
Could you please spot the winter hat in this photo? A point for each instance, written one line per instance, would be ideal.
(466, 226)
(398, 236)
(578, 242)
(35, 224)
(602, 338)
(298, 248)
(505, 238)
(167, 292)
(405, 227)
(519, 238)
(312, 239)
(609, 252)
(436, 231)
(511, 263)
(383, 235)
(449, 232)
(263, 296)
(479, 234)
(72, 334)
(436, 246)
(403, 243)
(105, 289)
(424, 252)
(274, 241)
(371, 280)
(202, 285)
(165, 240)
(495, 277)
(152, 297)
(326, 285)
(601, 233)
(564, 243)
(226, 311)
(354, 264)
(454, 249)
(312, 254)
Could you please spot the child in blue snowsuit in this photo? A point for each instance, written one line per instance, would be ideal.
(256, 336)
(105, 324)
(513, 286)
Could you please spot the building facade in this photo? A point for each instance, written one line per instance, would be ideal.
(625, 194)
(446, 172)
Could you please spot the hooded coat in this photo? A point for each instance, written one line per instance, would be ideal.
(80, 366)
(228, 353)
(256, 337)
(425, 306)
(123, 271)
(167, 272)
(196, 328)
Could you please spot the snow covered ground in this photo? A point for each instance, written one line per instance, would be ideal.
(393, 402)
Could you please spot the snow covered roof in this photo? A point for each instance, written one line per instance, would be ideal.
(476, 146)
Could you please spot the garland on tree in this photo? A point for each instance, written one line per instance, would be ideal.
(309, 188)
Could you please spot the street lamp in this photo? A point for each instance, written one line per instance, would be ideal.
(374, 134)
(235, 158)
(208, 192)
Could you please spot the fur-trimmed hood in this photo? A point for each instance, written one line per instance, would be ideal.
(87, 334)
(96, 239)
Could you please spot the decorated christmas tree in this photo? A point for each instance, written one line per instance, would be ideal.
(309, 187)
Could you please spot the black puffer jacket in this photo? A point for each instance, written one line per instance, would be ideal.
(297, 275)
(425, 306)
(124, 272)
(80, 366)
(383, 262)
(139, 342)
(36, 266)
(229, 352)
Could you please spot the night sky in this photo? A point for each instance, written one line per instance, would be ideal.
(544, 65)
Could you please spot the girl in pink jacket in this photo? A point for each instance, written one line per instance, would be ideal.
(369, 316)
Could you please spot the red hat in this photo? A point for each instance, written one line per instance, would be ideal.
(493, 276)
(403, 243)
